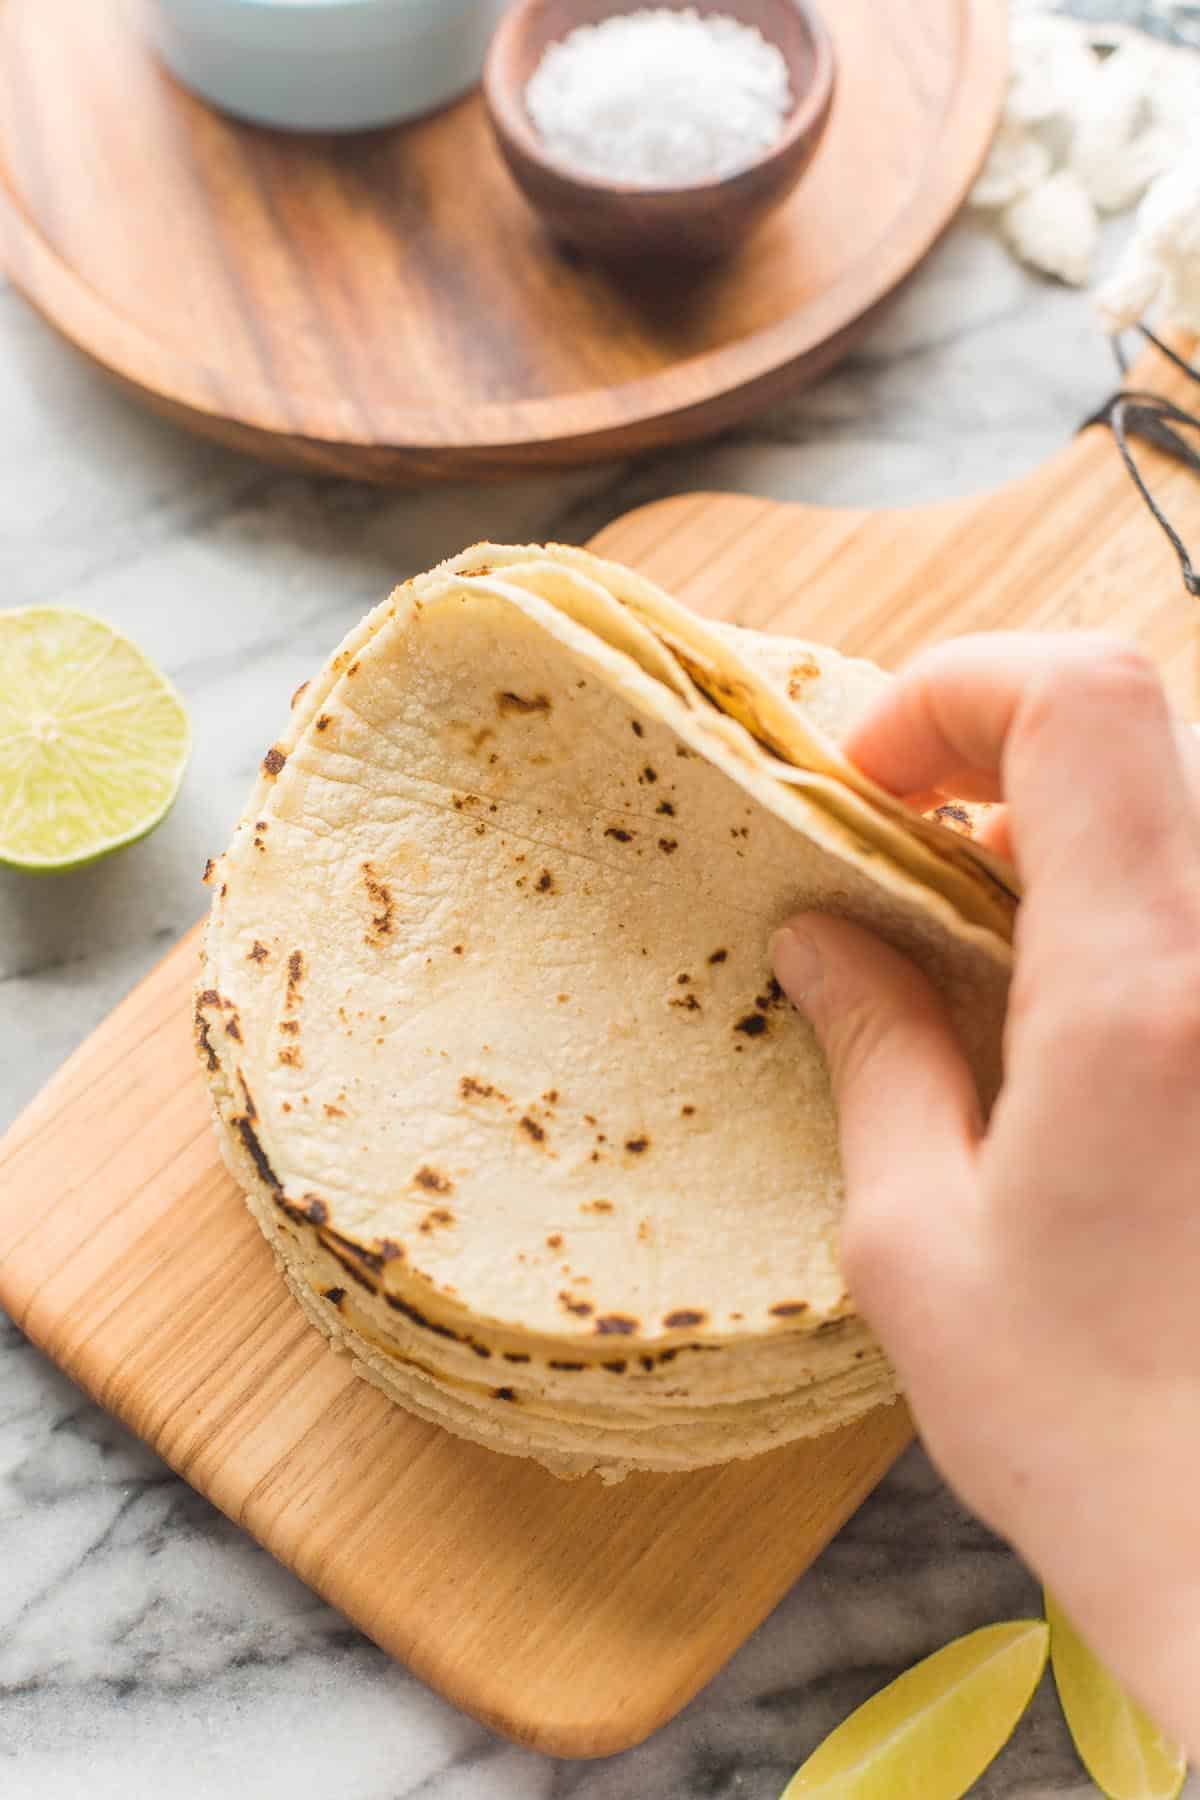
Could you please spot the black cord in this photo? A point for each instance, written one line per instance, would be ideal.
(1136, 413)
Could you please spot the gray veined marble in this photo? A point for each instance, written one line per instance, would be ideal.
(147, 1648)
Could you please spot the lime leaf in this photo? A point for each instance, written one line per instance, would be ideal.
(93, 739)
(1122, 1750)
(937, 1727)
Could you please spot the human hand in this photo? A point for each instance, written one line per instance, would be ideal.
(1037, 1281)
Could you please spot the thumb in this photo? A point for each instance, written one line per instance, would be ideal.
(908, 1111)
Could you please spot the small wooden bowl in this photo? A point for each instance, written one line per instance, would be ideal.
(623, 219)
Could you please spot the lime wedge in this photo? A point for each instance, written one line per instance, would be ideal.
(937, 1727)
(1125, 1754)
(93, 739)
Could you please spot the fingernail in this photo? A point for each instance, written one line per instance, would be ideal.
(797, 962)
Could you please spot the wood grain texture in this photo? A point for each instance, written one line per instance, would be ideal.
(624, 219)
(573, 1618)
(388, 306)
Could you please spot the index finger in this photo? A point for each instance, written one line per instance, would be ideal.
(943, 725)
(1072, 730)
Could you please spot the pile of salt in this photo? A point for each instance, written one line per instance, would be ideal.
(658, 98)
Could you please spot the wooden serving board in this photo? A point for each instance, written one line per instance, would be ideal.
(387, 306)
(574, 1618)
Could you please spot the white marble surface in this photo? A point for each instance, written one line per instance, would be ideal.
(147, 1648)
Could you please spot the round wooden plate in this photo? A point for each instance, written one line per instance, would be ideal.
(387, 307)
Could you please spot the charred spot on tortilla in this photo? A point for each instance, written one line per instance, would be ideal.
(315, 1210)
(291, 1027)
(203, 1041)
(686, 1112)
(648, 775)
(618, 831)
(688, 1003)
(417, 1317)
(324, 722)
(668, 846)
(804, 670)
(479, 1349)
(583, 1309)
(717, 956)
(432, 1180)
(638, 729)
(274, 760)
(290, 1056)
(544, 882)
(572, 1368)
(636, 1145)
(683, 1318)
(788, 1309)
(752, 1025)
(532, 1129)
(955, 817)
(258, 1155)
(554, 1241)
(355, 1274)
(517, 1356)
(471, 1088)
(295, 975)
(257, 952)
(615, 1325)
(503, 1393)
(207, 876)
(665, 807)
(508, 703)
(380, 897)
(596, 1206)
(232, 1027)
(333, 1112)
(334, 1295)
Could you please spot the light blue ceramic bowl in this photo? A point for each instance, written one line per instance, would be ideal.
(325, 65)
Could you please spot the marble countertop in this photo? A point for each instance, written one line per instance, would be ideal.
(148, 1648)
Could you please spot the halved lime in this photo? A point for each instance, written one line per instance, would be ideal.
(93, 739)
(932, 1733)
(1122, 1750)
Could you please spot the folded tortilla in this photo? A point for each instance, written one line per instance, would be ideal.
(494, 1047)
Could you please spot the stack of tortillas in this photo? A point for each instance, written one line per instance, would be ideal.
(493, 1042)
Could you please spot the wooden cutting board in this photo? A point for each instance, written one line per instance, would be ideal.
(573, 1618)
(387, 306)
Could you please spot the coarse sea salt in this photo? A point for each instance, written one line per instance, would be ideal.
(659, 98)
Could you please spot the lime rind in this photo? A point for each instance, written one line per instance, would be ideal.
(934, 1730)
(94, 740)
(1121, 1748)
